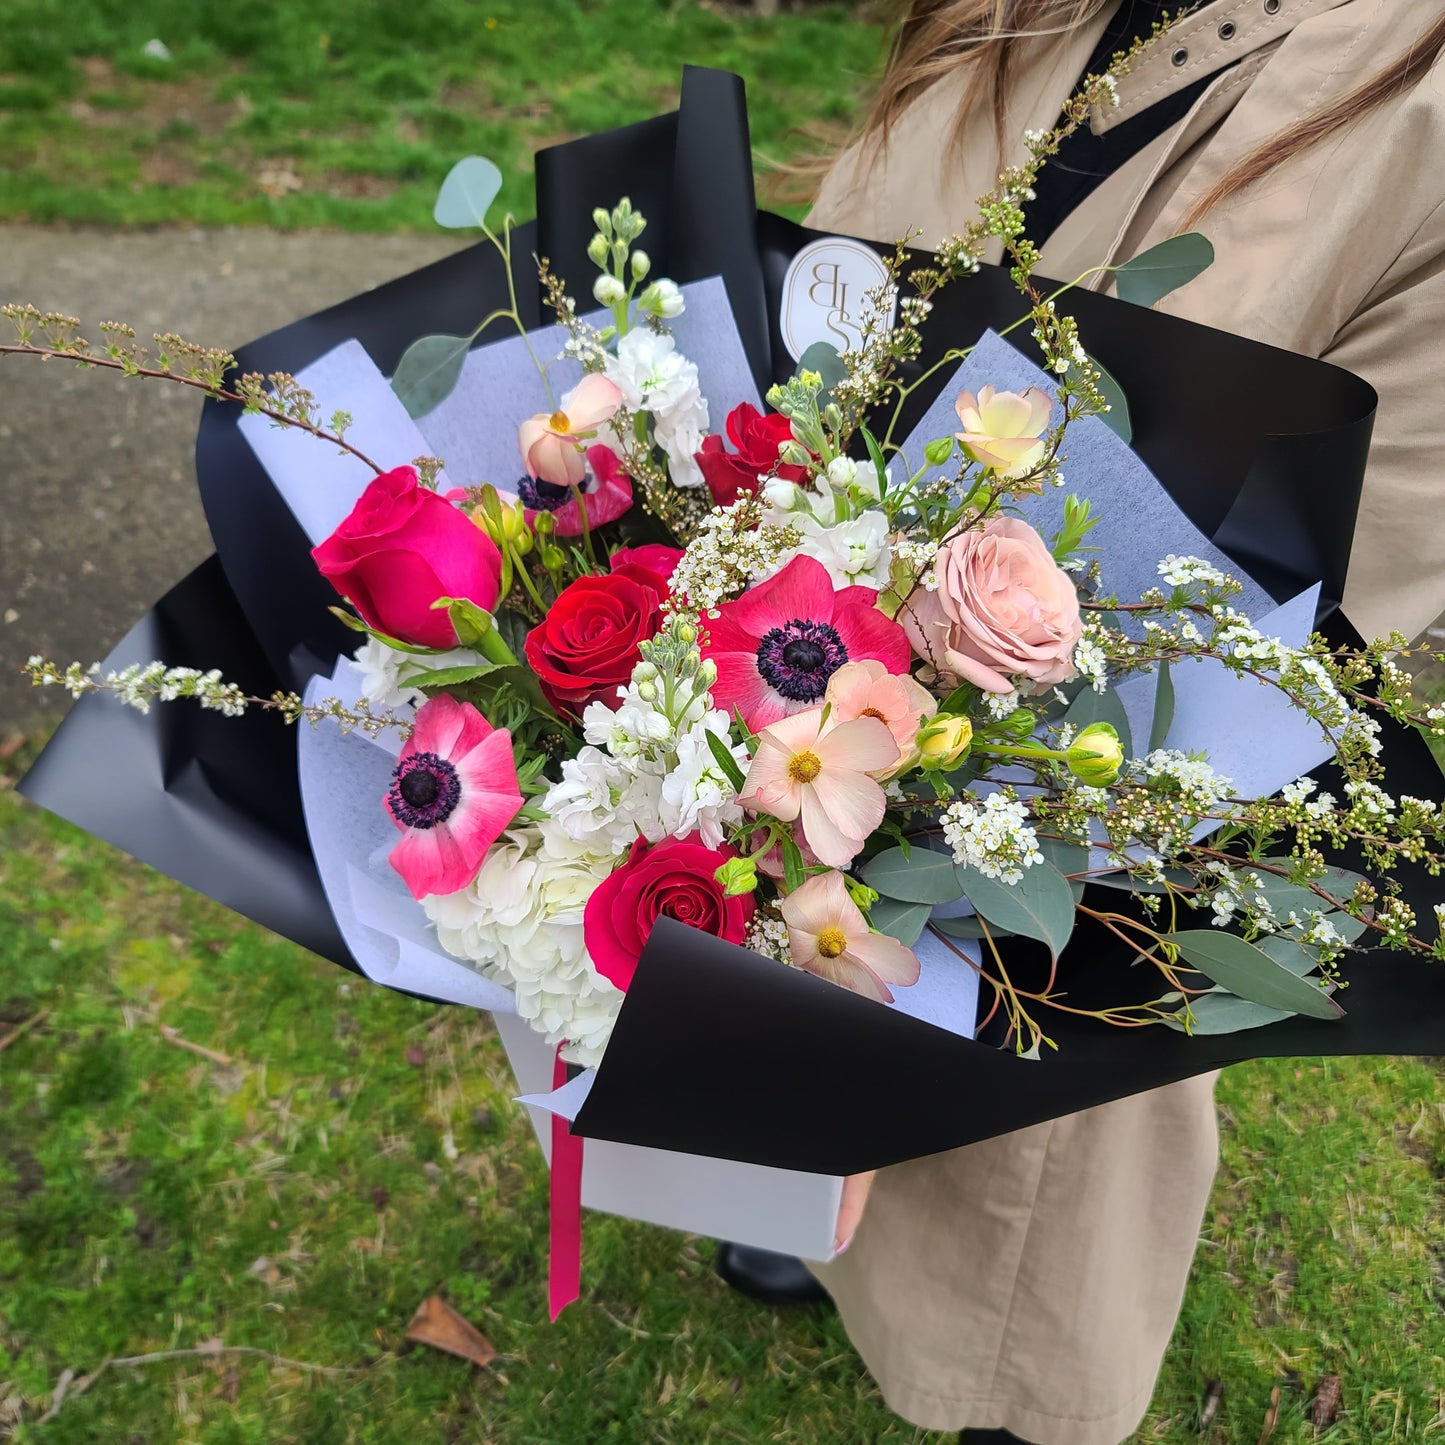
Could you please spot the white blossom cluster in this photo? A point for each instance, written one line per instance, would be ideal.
(838, 521)
(656, 378)
(1191, 572)
(520, 921)
(992, 834)
(731, 551)
(142, 683)
(1090, 659)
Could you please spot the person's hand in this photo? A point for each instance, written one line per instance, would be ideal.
(850, 1211)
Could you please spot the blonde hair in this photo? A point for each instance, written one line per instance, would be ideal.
(935, 36)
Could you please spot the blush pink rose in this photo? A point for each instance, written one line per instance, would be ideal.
(1003, 609)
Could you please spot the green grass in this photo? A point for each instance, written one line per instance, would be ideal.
(330, 113)
(359, 1151)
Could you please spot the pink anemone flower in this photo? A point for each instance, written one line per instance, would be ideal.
(829, 936)
(810, 769)
(606, 493)
(778, 644)
(453, 792)
(552, 444)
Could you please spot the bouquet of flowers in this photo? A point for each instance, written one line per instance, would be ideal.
(897, 714)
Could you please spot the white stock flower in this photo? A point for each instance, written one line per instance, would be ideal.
(696, 795)
(383, 670)
(854, 552)
(653, 375)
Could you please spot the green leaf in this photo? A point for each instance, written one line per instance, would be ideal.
(349, 618)
(470, 622)
(444, 677)
(926, 877)
(875, 453)
(1163, 707)
(1154, 273)
(467, 193)
(427, 372)
(1251, 973)
(793, 870)
(1040, 905)
(826, 361)
(1117, 418)
(1105, 707)
(967, 926)
(1066, 857)
(903, 921)
(725, 760)
(1218, 1012)
(1291, 954)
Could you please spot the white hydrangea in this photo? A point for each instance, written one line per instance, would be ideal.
(520, 922)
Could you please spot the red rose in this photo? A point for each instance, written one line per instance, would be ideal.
(586, 646)
(674, 877)
(653, 563)
(401, 548)
(757, 437)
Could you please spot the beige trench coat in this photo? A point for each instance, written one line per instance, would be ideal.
(1032, 1282)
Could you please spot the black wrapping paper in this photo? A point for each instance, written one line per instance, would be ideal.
(761, 1063)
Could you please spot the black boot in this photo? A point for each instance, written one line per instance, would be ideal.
(775, 1279)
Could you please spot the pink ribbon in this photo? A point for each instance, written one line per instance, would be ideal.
(564, 1261)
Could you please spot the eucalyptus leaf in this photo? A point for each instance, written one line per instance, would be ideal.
(1117, 418)
(1251, 973)
(968, 925)
(1066, 857)
(1101, 707)
(1218, 1012)
(1163, 707)
(1291, 954)
(1040, 905)
(428, 371)
(903, 921)
(1153, 274)
(467, 194)
(826, 361)
(925, 877)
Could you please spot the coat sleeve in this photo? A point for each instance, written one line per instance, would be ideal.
(1397, 343)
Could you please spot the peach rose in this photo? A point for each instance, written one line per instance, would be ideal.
(1004, 429)
(1004, 608)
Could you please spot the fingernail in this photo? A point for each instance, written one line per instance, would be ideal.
(842, 1248)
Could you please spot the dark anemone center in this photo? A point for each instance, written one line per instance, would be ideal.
(799, 657)
(420, 788)
(424, 792)
(804, 653)
(542, 496)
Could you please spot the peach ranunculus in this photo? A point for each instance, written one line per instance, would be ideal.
(829, 936)
(822, 773)
(1004, 429)
(1003, 608)
(553, 443)
(867, 689)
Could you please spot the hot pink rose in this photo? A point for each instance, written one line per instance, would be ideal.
(674, 877)
(403, 547)
(1004, 608)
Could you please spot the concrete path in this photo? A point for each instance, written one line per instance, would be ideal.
(99, 513)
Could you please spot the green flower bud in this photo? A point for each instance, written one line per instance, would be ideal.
(795, 454)
(1096, 755)
(597, 249)
(938, 451)
(554, 559)
(1020, 723)
(647, 691)
(707, 672)
(603, 221)
(544, 525)
(641, 264)
(686, 632)
(737, 876)
(619, 252)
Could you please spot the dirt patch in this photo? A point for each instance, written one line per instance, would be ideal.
(124, 102)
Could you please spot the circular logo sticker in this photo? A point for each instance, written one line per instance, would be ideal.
(825, 294)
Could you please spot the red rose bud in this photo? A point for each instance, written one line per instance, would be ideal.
(676, 877)
(757, 437)
(402, 548)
